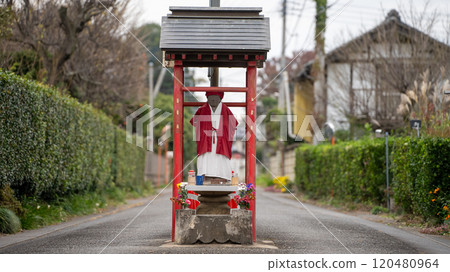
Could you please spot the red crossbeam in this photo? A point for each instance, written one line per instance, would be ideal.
(229, 104)
(216, 89)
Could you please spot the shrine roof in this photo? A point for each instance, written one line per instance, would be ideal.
(218, 29)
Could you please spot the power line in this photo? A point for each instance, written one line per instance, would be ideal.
(296, 23)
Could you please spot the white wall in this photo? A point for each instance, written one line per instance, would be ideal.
(338, 81)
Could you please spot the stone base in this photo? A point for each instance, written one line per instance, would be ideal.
(213, 203)
(191, 228)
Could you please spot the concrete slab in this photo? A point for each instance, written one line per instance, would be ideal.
(257, 245)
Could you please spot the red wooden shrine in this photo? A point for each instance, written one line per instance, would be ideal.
(214, 37)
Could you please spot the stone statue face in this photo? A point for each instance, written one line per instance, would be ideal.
(214, 100)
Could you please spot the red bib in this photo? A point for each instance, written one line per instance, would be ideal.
(204, 130)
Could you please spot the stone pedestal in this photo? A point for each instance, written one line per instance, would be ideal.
(213, 198)
(206, 228)
(213, 203)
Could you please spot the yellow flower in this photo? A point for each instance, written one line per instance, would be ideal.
(436, 190)
(445, 208)
(178, 185)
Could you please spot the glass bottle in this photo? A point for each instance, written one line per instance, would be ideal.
(191, 177)
(234, 178)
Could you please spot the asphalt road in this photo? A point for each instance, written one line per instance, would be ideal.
(283, 226)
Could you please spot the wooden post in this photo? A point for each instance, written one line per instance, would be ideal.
(250, 146)
(178, 99)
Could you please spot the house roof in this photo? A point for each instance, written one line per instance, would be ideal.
(215, 29)
(392, 21)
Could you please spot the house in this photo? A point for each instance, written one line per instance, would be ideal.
(366, 76)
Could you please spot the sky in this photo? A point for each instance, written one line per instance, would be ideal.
(346, 19)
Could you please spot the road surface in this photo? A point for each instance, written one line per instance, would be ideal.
(283, 226)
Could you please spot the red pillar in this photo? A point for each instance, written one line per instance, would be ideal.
(178, 99)
(250, 146)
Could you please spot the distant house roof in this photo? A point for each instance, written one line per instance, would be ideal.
(392, 22)
(215, 29)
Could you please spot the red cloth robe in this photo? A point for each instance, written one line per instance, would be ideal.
(203, 130)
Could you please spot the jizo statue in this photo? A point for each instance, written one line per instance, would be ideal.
(215, 126)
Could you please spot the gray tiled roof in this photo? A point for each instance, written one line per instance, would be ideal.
(227, 29)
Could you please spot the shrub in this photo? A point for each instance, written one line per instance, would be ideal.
(356, 171)
(378, 210)
(350, 171)
(421, 176)
(264, 179)
(9, 222)
(9, 201)
(129, 163)
(282, 183)
(52, 146)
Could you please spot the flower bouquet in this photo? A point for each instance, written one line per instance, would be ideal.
(182, 196)
(246, 193)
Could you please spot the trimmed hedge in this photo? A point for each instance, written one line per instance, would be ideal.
(356, 171)
(350, 172)
(422, 176)
(129, 162)
(51, 145)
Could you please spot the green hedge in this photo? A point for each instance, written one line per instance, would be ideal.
(51, 145)
(422, 176)
(129, 162)
(356, 171)
(351, 172)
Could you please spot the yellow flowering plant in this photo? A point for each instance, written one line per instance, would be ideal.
(282, 183)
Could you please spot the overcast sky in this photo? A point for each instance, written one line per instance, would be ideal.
(346, 19)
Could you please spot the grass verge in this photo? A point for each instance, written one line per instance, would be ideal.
(397, 217)
(38, 214)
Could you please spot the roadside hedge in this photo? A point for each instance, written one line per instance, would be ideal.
(422, 176)
(350, 172)
(51, 145)
(356, 171)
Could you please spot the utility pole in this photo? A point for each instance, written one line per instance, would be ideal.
(151, 98)
(150, 134)
(387, 172)
(214, 3)
(281, 96)
(281, 87)
(213, 73)
(318, 69)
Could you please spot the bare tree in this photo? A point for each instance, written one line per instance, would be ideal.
(267, 77)
(79, 46)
